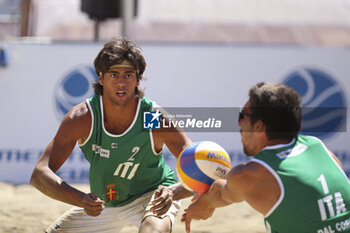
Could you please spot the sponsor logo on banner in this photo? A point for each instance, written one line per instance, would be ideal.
(73, 88)
(323, 101)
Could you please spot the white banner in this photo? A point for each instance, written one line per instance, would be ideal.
(42, 82)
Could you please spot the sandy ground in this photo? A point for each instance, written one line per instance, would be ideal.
(24, 209)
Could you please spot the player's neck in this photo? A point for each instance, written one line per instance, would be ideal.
(263, 142)
(117, 118)
(274, 142)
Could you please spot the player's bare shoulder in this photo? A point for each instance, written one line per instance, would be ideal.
(256, 180)
(80, 112)
(248, 173)
(78, 121)
(245, 169)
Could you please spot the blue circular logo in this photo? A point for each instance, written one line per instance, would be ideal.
(323, 101)
(74, 88)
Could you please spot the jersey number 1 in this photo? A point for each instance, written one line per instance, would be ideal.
(328, 201)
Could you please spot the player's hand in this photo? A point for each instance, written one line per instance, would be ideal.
(92, 204)
(187, 219)
(163, 199)
(198, 210)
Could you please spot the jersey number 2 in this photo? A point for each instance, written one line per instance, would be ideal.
(124, 167)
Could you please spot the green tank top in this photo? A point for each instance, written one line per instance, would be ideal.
(125, 166)
(315, 192)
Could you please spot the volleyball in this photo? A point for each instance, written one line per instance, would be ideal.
(200, 164)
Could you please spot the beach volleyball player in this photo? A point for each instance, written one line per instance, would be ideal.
(129, 181)
(293, 180)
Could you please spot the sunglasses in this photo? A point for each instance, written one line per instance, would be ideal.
(242, 114)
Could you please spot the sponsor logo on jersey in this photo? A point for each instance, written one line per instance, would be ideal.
(292, 151)
(284, 154)
(114, 145)
(111, 192)
(99, 150)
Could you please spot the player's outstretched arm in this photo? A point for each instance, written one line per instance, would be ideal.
(74, 127)
(176, 140)
(250, 182)
(222, 192)
(203, 206)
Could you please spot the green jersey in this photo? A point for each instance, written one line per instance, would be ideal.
(125, 166)
(315, 192)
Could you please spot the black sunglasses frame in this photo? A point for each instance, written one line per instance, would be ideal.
(242, 114)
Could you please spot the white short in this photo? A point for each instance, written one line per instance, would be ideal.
(111, 219)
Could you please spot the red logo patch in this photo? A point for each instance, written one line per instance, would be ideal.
(111, 192)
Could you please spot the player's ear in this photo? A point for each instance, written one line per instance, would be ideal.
(100, 79)
(259, 126)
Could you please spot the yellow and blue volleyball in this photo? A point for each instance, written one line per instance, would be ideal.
(200, 164)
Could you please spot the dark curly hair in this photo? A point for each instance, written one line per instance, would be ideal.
(279, 107)
(115, 52)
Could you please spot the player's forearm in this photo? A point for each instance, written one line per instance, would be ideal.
(179, 191)
(215, 196)
(47, 182)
